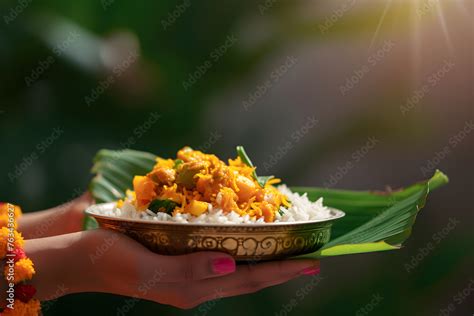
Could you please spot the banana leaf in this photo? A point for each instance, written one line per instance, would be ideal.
(374, 221)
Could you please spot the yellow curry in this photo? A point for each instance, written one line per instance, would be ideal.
(194, 181)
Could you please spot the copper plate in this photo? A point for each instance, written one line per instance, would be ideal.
(252, 242)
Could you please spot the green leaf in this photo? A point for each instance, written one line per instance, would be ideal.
(263, 180)
(243, 156)
(373, 218)
(166, 206)
(246, 160)
(90, 223)
(374, 221)
(348, 249)
(114, 171)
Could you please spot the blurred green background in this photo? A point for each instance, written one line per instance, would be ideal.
(344, 94)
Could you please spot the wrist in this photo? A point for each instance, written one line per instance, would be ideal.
(60, 265)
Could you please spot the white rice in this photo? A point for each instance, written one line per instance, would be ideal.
(302, 209)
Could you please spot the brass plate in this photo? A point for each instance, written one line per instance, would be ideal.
(250, 242)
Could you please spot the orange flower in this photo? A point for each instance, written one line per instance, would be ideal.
(24, 270)
(31, 308)
(4, 208)
(3, 241)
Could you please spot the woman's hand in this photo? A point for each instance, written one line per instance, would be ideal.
(105, 261)
(62, 219)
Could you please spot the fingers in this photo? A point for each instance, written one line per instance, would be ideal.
(74, 207)
(62, 219)
(86, 197)
(246, 279)
(74, 211)
(80, 203)
(192, 267)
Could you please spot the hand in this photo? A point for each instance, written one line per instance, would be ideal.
(62, 219)
(105, 261)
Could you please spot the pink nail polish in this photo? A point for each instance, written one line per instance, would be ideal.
(311, 271)
(223, 265)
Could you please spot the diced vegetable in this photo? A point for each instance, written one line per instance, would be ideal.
(196, 208)
(163, 175)
(187, 171)
(144, 188)
(246, 188)
(267, 212)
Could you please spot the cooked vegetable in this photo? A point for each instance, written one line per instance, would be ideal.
(187, 171)
(177, 163)
(163, 175)
(247, 188)
(144, 188)
(166, 206)
(196, 207)
(195, 182)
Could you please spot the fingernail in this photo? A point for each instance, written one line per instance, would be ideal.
(311, 271)
(223, 265)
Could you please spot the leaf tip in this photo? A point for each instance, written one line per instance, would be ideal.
(439, 179)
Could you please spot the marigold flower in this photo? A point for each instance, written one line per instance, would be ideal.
(24, 270)
(4, 217)
(3, 241)
(31, 308)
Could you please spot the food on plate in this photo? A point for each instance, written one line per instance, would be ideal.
(197, 187)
